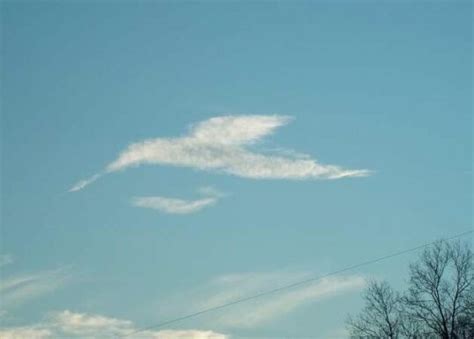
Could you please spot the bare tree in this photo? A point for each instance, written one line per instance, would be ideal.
(380, 317)
(412, 328)
(466, 320)
(439, 302)
(438, 294)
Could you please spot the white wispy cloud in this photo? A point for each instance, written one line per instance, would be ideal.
(19, 289)
(223, 144)
(228, 288)
(172, 205)
(83, 183)
(277, 306)
(218, 291)
(67, 324)
(180, 206)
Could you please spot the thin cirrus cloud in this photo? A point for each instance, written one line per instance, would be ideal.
(222, 144)
(259, 312)
(179, 206)
(19, 289)
(218, 291)
(67, 324)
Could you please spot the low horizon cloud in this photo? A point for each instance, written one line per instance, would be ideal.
(66, 324)
(222, 144)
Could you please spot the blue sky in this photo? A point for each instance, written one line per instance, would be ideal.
(213, 128)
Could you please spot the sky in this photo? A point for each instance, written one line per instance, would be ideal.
(159, 158)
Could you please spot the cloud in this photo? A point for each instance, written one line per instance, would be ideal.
(275, 306)
(260, 311)
(220, 290)
(83, 183)
(173, 206)
(223, 144)
(195, 334)
(5, 259)
(19, 289)
(68, 324)
(85, 324)
(180, 206)
(284, 303)
(32, 332)
(93, 325)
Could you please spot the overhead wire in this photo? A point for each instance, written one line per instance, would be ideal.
(292, 285)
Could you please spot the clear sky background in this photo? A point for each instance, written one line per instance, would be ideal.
(384, 86)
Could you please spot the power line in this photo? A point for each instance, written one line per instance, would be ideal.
(298, 283)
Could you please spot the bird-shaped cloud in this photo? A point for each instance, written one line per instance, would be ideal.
(222, 144)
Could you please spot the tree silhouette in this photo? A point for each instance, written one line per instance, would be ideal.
(438, 293)
(380, 317)
(439, 301)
